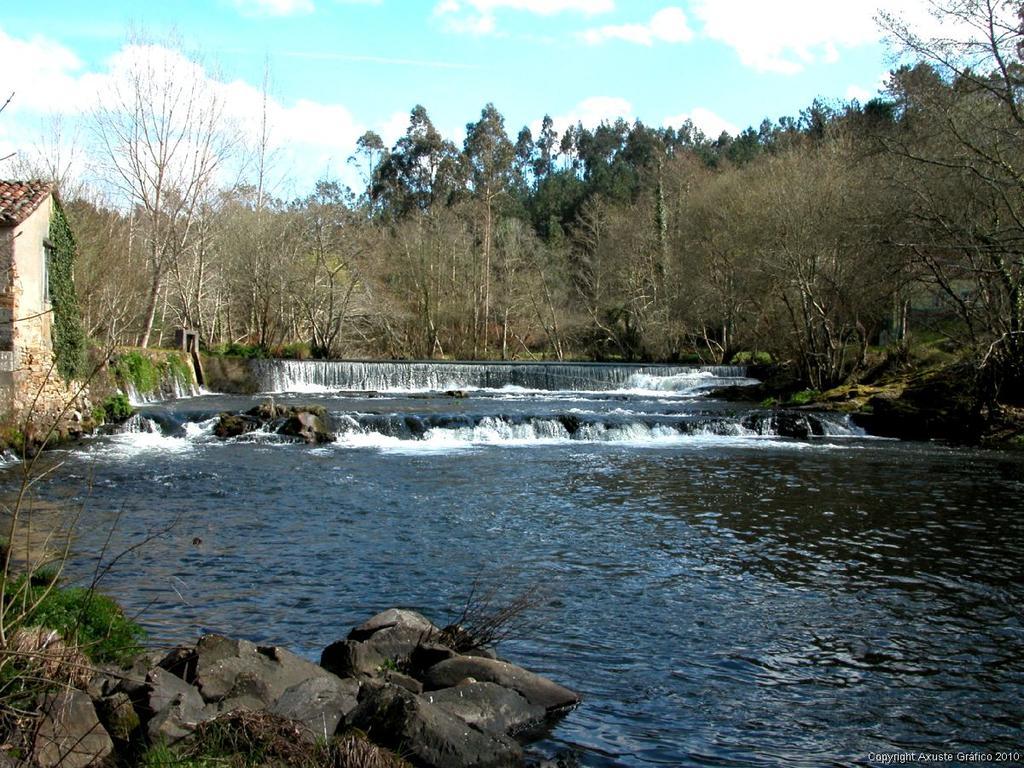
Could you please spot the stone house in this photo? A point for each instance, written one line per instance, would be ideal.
(29, 381)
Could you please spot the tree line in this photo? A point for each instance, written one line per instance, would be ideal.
(816, 239)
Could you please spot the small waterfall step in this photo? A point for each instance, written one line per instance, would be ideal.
(292, 375)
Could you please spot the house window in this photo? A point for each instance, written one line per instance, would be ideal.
(48, 254)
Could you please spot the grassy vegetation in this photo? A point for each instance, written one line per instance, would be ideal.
(803, 397)
(116, 408)
(234, 349)
(54, 637)
(244, 739)
(752, 358)
(139, 371)
(294, 351)
(91, 622)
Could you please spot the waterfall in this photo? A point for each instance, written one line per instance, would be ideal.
(306, 375)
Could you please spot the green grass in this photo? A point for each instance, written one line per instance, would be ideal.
(752, 358)
(84, 618)
(137, 370)
(804, 397)
(161, 756)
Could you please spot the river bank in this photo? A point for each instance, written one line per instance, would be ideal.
(916, 401)
(398, 690)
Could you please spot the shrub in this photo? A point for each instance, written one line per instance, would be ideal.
(295, 351)
(804, 397)
(752, 358)
(234, 349)
(116, 408)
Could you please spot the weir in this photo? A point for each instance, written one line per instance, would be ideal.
(289, 375)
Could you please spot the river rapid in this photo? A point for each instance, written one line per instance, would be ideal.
(719, 593)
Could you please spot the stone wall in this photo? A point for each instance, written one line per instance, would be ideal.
(42, 401)
(231, 375)
(31, 389)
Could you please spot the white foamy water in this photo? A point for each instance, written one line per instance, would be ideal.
(494, 432)
(128, 445)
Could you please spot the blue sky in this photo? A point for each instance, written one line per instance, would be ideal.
(338, 67)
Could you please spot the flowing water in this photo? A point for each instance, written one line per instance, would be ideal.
(721, 594)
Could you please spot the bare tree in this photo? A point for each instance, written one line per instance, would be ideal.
(162, 137)
(961, 166)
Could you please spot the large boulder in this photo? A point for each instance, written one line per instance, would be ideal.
(235, 424)
(534, 688)
(118, 716)
(307, 426)
(174, 707)
(388, 637)
(428, 735)
(488, 707)
(230, 669)
(70, 734)
(319, 703)
(391, 618)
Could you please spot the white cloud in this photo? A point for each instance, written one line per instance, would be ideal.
(540, 7)
(590, 113)
(310, 136)
(51, 83)
(667, 25)
(392, 129)
(274, 7)
(785, 36)
(477, 17)
(710, 124)
(855, 92)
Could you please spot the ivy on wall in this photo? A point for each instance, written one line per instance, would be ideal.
(67, 334)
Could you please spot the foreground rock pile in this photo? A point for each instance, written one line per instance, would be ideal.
(393, 679)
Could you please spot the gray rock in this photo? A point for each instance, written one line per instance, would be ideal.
(391, 635)
(426, 655)
(228, 669)
(393, 617)
(488, 707)
(132, 678)
(484, 653)
(118, 716)
(405, 681)
(104, 682)
(307, 426)
(181, 662)
(534, 688)
(234, 425)
(319, 703)
(163, 688)
(69, 734)
(347, 658)
(175, 706)
(427, 734)
(396, 642)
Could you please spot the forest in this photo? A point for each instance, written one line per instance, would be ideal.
(821, 241)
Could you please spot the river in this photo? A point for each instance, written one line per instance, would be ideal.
(719, 593)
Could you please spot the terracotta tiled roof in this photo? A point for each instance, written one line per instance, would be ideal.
(19, 198)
